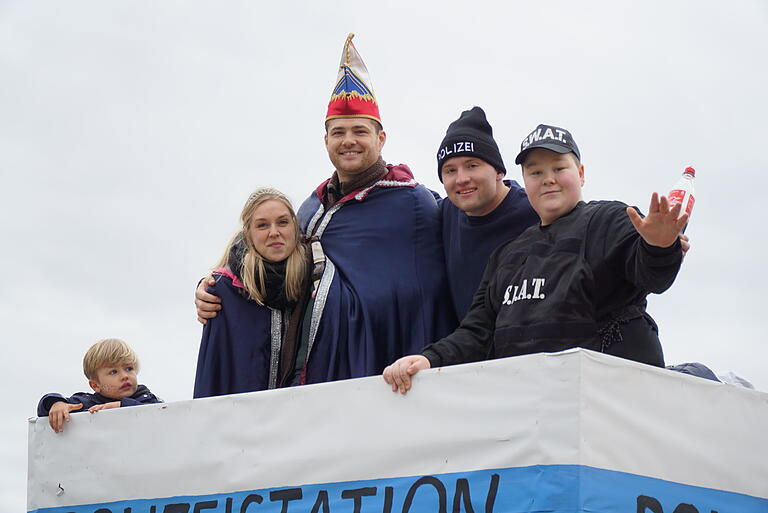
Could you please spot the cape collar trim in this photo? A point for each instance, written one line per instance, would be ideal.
(229, 274)
(397, 176)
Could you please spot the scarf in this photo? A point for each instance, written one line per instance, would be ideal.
(337, 190)
(273, 287)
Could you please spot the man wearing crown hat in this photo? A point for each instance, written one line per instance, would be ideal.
(383, 289)
(380, 284)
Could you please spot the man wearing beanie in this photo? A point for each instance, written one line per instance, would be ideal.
(380, 288)
(483, 210)
(578, 278)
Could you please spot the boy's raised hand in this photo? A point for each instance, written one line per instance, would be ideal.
(105, 406)
(662, 226)
(59, 414)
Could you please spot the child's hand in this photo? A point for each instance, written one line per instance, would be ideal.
(661, 227)
(105, 406)
(59, 414)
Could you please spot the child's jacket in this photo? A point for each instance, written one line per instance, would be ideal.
(142, 396)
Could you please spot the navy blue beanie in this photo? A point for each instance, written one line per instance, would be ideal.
(470, 136)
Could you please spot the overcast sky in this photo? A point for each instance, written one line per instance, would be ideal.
(131, 133)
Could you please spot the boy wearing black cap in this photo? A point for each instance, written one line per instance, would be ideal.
(484, 210)
(579, 278)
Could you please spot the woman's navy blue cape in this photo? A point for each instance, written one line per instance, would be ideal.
(236, 347)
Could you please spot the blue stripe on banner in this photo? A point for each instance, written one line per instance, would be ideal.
(541, 488)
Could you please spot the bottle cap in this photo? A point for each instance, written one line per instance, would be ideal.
(689, 170)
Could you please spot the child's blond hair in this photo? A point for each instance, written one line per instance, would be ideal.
(108, 352)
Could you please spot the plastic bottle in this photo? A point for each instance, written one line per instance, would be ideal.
(683, 192)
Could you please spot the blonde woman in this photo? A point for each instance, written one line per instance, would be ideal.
(262, 281)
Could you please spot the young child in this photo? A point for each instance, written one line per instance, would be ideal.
(111, 367)
(579, 278)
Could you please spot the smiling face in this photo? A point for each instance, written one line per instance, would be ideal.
(553, 182)
(115, 381)
(353, 145)
(272, 231)
(473, 185)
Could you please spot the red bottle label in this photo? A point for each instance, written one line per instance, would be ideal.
(677, 196)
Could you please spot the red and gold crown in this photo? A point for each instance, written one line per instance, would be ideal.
(353, 96)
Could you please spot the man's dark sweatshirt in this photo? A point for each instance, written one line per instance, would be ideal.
(468, 241)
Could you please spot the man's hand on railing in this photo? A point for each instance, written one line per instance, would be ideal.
(399, 373)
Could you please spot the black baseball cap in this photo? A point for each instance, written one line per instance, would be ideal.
(548, 137)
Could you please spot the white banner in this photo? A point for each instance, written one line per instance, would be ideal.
(565, 432)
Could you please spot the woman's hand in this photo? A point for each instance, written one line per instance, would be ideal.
(399, 373)
(662, 226)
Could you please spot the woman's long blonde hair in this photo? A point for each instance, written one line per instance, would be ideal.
(253, 263)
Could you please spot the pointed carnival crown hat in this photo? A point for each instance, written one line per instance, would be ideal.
(353, 96)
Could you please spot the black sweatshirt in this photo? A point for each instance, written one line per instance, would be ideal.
(591, 274)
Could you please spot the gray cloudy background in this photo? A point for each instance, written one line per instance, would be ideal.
(131, 133)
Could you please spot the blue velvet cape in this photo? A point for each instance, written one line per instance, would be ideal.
(384, 292)
(237, 347)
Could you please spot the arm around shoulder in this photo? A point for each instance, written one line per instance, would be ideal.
(206, 303)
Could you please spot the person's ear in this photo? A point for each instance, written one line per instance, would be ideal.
(94, 385)
(382, 138)
(581, 174)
